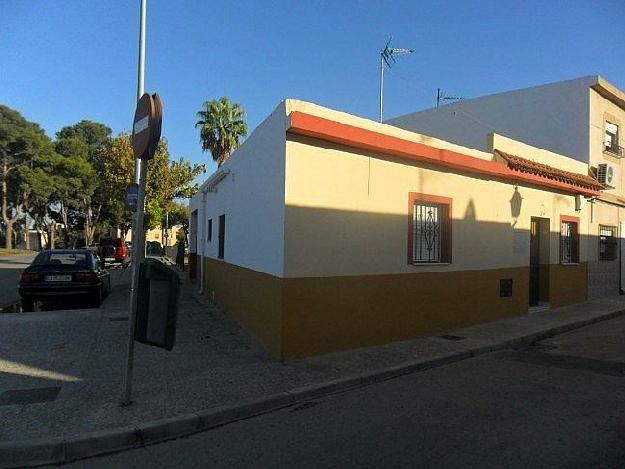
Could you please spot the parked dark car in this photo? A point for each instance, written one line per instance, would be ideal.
(114, 250)
(64, 273)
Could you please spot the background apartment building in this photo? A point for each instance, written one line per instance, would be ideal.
(581, 118)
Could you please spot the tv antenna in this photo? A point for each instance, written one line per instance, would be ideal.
(440, 96)
(387, 56)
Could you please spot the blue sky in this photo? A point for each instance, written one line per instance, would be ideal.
(66, 60)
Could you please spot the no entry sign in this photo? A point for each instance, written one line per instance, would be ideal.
(156, 124)
(141, 128)
(146, 128)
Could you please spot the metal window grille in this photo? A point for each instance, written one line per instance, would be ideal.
(608, 243)
(611, 139)
(568, 242)
(427, 234)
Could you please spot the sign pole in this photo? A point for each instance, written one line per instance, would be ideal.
(138, 234)
(138, 247)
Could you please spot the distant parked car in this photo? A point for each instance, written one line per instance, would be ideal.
(64, 273)
(113, 250)
(154, 248)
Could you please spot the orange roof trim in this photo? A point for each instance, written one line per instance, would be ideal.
(357, 137)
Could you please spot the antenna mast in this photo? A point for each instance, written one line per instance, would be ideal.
(440, 96)
(387, 56)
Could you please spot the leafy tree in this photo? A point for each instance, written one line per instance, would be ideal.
(84, 142)
(167, 181)
(92, 133)
(75, 184)
(22, 143)
(115, 160)
(222, 125)
(179, 216)
(39, 184)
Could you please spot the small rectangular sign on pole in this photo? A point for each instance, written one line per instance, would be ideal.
(132, 196)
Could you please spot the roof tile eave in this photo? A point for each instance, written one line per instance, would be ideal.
(518, 163)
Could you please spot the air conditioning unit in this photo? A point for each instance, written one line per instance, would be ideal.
(606, 175)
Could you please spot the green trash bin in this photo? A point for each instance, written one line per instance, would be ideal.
(157, 304)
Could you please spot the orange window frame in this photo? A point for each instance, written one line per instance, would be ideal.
(446, 231)
(575, 220)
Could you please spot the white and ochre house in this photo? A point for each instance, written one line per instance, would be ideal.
(325, 231)
(582, 118)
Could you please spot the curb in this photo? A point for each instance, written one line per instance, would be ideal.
(37, 452)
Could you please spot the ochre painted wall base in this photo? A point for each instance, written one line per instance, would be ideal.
(300, 317)
(323, 315)
(568, 284)
(253, 298)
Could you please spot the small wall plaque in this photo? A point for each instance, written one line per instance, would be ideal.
(505, 287)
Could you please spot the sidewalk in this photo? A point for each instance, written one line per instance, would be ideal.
(215, 374)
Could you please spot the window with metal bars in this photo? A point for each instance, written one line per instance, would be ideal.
(430, 229)
(608, 243)
(569, 242)
(611, 139)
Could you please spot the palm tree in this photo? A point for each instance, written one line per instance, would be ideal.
(221, 125)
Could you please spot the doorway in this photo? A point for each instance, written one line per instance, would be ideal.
(539, 262)
(193, 244)
(622, 254)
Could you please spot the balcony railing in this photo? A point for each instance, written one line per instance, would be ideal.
(616, 150)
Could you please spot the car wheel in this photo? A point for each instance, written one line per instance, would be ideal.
(28, 305)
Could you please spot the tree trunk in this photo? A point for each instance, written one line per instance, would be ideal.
(50, 227)
(26, 233)
(8, 222)
(65, 218)
(41, 239)
(9, 234)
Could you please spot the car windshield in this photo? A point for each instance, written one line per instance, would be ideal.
(62, 258)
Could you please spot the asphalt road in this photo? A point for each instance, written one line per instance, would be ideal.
(10, 271)
(558, 404)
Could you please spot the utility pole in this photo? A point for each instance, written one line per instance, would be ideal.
(138, 235)
(387, 56)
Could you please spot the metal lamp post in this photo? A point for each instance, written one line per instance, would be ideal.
(138, 237)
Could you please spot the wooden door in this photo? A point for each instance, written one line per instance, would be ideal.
(534, 262)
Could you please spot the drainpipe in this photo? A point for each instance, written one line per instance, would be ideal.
(203, 212)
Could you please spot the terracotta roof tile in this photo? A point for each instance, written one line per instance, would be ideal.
(528, 166)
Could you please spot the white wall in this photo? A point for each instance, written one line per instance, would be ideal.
(539, 155)
(553, 116)
(252, 198)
